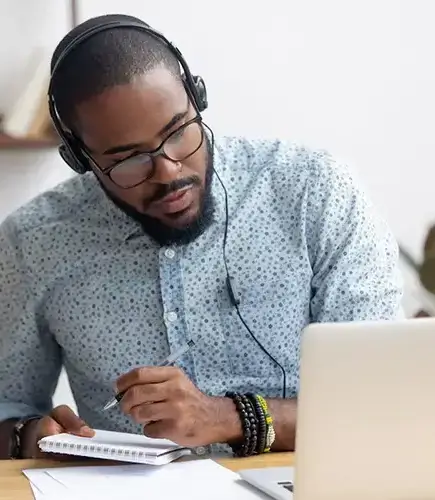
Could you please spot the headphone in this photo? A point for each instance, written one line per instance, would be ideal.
(70, 150)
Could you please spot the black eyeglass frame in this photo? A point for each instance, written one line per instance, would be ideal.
(159, 151)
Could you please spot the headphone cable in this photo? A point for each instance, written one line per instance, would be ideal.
(230, 289)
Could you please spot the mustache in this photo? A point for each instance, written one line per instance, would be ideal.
(167, 189)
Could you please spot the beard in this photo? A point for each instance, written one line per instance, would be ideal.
(164, 234)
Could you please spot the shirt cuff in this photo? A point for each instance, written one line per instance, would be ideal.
(10, 410)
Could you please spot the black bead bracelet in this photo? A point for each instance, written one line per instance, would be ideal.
(254, 425)
(249, 423)
(262, 426)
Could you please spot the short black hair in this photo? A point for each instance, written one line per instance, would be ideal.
(109, 58)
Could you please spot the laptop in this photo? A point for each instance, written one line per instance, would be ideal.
(277, 482)
(366, 414)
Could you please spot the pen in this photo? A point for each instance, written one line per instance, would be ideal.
(172, 358)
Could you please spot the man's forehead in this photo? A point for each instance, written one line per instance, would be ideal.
(135, 112)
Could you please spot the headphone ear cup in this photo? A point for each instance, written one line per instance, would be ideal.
(77, 162)
(200, 92)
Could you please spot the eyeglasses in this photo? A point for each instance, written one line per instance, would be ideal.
(177, 147)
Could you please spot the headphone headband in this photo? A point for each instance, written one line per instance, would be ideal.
(90, 32)
(70, 150)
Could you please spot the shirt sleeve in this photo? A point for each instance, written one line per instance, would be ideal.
(356, 275)
(30, 359)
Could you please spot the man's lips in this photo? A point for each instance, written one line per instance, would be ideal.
(174, 195)
(175, 202)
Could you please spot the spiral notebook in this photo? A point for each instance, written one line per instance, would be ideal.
(115, 446)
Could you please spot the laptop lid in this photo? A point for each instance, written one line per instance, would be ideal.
(366, 411)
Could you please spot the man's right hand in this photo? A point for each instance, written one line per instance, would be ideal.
(61, 419)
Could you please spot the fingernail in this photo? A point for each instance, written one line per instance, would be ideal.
(86, 430)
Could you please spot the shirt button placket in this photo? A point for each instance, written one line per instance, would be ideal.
(170, 289)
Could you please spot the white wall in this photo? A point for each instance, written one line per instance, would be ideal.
(23, 28)
(354, 77)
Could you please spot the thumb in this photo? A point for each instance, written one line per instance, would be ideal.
(70, 422)
(85, 431)
(51, 427)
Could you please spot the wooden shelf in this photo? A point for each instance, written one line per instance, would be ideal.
(13, 143)
(8, 143)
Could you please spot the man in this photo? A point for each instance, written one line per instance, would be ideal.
(113, 270)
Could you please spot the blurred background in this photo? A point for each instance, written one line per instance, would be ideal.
(356, 78)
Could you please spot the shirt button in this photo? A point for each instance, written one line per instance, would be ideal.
(169, 253)
(172, 316)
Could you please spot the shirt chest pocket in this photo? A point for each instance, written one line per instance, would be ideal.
(269, 311)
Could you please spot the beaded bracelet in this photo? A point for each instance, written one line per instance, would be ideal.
(266, 431)
(262, 426)
(270, 436)
(254, 428)
(249, 422)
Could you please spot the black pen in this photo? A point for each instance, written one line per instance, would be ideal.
(172, 358)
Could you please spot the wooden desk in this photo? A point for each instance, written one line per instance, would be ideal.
(15, 486)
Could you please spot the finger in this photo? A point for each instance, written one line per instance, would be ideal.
(37, 430)
(142, 394)
(158, 430)
(145, 413)
(71, 422)
(146, 375)
(48, 427)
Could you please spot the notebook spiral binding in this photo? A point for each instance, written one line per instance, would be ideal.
(85, 449)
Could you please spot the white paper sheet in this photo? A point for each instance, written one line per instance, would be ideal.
(191, 480)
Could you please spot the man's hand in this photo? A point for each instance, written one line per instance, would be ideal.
(61, 419)
(170, 406)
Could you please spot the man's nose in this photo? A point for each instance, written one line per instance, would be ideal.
(165, 171)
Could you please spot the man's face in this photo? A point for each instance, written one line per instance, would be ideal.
(133, 119)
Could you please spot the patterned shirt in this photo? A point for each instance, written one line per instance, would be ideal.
(82, 286)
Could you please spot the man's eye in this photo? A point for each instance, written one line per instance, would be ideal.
(178, 133)
(115, 161)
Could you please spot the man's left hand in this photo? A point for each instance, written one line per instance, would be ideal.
(170, 406)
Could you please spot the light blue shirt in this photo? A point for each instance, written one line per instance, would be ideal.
(82, 285)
